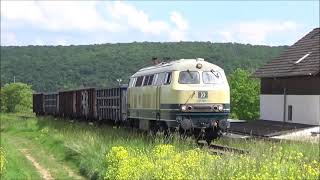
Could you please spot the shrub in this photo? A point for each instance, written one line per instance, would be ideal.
(244, 95)
(16, 97)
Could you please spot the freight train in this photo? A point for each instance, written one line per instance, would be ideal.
(190, 95)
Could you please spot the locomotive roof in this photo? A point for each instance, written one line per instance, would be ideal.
(178, 65)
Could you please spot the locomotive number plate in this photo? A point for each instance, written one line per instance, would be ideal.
(203, 94)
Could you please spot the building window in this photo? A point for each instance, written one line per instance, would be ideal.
(289, 113)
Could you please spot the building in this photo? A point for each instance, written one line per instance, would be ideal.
(290, 84)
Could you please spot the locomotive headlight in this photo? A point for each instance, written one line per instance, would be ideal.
(183, 108)
(215, 108)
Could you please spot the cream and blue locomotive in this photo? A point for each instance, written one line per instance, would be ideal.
(189, 94)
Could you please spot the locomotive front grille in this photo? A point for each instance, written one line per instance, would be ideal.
(201, 108)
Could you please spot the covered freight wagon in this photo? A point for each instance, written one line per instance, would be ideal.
(38, 106)
(112, 104)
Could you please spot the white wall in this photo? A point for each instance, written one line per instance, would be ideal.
(305, 108)
(271, 107)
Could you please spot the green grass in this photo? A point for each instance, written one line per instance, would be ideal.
(84, 148)
(17, 166)
(81, 146)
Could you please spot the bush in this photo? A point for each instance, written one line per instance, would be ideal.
(16, 97)
(244, 95)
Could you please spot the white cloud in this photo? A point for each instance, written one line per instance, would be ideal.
(177, 18)
(83, 16)
(136, 19)
(57, 16)
(27, 11)
(255, 32)
(139, 20)
(8, 38)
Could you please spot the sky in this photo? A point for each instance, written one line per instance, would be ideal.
(96, 22)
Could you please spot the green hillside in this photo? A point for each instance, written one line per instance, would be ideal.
(50, 68)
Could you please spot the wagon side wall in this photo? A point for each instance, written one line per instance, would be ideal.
(111, 104)
(51, 104)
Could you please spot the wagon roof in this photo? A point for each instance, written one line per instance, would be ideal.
(300, 59)
(78, 89)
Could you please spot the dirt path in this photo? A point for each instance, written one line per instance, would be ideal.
(70, 172)
(44, 173)
(45, 164)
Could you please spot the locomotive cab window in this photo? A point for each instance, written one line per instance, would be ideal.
(211, 77)
(189, 77)
(155, 78)
(139, 81)
(150, 79)
(131, 82)
(160, 78)
(167, 79)
(146, 79)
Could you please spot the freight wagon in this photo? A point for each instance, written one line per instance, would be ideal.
(112, 104)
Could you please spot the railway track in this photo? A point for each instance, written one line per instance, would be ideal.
(228, 149)
(220, 149)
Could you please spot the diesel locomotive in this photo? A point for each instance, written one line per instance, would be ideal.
(191, 95)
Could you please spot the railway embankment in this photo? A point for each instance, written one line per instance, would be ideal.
(69, 149)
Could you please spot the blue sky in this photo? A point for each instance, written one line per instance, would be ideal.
(95, 22)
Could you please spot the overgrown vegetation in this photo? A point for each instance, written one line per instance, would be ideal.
(98, 152)
(49, 68)
(16, 97)
(164, 162)
(3, 161)
(245, 92)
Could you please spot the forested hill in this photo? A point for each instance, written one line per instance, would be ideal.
(50, 68)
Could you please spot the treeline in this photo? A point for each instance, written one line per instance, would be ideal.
(51, 68)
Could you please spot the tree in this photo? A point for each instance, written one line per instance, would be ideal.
(244, 95)
(16, 97)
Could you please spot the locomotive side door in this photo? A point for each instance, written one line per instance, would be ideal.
(157, 101)
(158, 83)
(162, 79)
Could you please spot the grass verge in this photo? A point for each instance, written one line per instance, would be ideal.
(106, 152)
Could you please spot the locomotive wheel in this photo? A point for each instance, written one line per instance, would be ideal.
(163, 128)
(159, 126)
(183, 133)
(198, 134)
